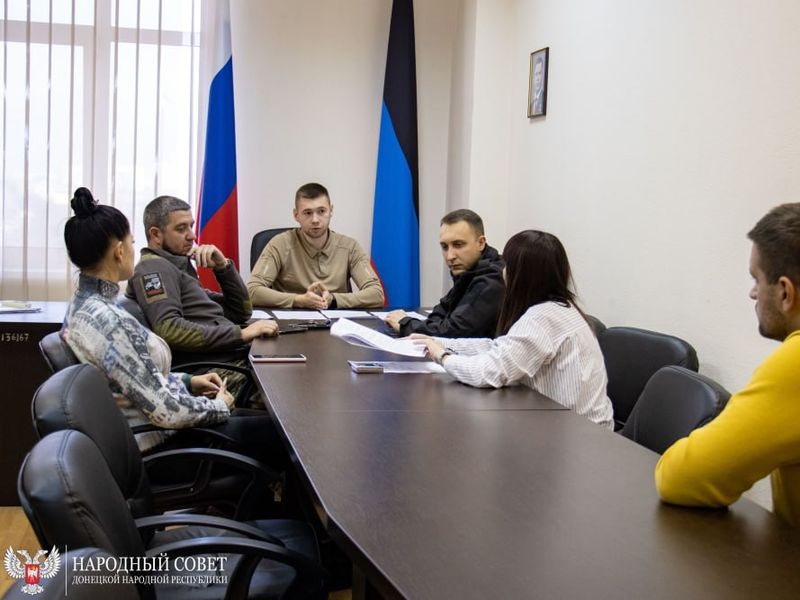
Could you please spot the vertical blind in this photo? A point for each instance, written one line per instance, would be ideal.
(96, 93)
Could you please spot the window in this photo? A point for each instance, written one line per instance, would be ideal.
(96, 93)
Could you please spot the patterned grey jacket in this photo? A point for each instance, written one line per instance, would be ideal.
(136, 362)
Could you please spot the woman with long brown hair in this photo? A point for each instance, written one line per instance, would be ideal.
(543, 339)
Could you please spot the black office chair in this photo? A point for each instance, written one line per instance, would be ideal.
(632, 356)
(596, 324)
(260, 241)
(58, 587)
(57, 354)
(78, 398)
(71, 499)
(674, 402)
(133, 308)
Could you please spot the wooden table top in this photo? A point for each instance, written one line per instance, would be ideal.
(438, 490)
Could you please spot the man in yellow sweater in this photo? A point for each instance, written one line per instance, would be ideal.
(758, 432)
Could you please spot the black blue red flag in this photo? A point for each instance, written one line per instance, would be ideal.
(395, 225)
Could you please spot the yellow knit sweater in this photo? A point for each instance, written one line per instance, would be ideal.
(758, 433)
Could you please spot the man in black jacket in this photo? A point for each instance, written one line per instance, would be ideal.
(471, 307)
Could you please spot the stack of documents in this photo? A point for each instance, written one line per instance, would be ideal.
(409, 313)
(298, 315)
(358, 335)
(17, 306)
(341, 313)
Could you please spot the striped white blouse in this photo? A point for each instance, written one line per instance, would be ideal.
(551, 349)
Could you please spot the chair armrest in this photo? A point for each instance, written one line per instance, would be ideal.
(258, 469)
(144, 428)
(248, 499)
(211, 433)
(309, 578)
(191, 367)
(161, 521)
(188, 366)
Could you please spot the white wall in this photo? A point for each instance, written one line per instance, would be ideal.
(308, 79)
(671, 128)
(491, 116)
(480, 117)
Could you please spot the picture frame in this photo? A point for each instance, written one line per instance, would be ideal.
(537, 83)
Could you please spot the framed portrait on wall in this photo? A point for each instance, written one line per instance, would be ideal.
(537, 83)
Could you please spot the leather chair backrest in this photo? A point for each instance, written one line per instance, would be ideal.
(260, 241)
(71, 498)
(59, 587)
(632, 356)
(674, 402)
(56, 353)
(132, 306)
(79, 398)
(597, 325)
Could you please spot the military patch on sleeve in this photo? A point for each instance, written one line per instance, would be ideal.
(153, 287)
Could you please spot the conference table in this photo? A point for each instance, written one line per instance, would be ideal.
(438, 490)
(23, 370)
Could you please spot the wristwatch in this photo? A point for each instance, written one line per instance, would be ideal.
(446, 352)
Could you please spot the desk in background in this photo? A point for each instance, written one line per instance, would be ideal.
(23, 371)
(439, 490)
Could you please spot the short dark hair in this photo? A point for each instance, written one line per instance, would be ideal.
(467, 215)
(777, 236)
(537, 271)
(311, 191)
(92, 229)
(156, 213)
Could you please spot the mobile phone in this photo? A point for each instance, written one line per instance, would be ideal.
(363, 366)
(266, 358)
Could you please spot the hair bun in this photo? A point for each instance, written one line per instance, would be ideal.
(83, 203)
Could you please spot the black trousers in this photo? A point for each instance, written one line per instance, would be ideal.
(247, 431)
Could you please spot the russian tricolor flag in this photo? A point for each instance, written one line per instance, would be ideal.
(218, 220)
(395, 224)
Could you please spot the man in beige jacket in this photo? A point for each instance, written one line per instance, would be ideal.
(312, 266)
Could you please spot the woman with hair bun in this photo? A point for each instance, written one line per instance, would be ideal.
(544, 340)
(135, 360)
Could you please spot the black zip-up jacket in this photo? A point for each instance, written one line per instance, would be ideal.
(471, 307)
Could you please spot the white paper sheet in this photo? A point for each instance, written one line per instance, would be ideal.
(15, 304)
(346, 314)
(7, 310)
(261, 314)
(298, 315)
(358, 335)
(409, 313)
(390, 366)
